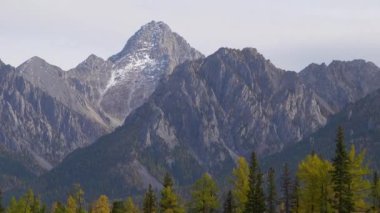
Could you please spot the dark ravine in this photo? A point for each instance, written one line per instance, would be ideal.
(199, 119)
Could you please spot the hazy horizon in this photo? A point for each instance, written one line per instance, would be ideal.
(291, 34)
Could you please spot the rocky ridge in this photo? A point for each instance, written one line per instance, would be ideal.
(37, 125)
(49, 112)
(200, 119)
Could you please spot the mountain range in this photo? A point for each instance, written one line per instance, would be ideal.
(158, 106)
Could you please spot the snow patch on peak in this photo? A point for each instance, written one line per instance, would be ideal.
(130, 66)
(135, 65)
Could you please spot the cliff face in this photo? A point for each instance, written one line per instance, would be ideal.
(38, 126)
(340, 82)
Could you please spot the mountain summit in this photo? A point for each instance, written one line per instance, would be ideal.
(149, 55)
(147, 37)
(48, 112)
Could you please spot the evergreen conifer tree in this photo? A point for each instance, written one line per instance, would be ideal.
(255, 197)
(286, 187)
(168, 181)
(229, 206)
(260, 196)
(375, 193)
(118, 207)
(341, 178)
(149, 204)
(169, 200)
(295, 200)
(251, 205)
(272, 195)
(2, 210)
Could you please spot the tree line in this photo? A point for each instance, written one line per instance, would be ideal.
(342, 185)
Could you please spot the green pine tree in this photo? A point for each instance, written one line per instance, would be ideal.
(375, 193)
(255, 196)
(341, 178)
(2, 210)
(149, 204)
(169, 200)
(272, 195)
(118, 207)
(260, 196)
(228, 205)
(168, 181)
(286, 187)
(295, 198)
(251, 205)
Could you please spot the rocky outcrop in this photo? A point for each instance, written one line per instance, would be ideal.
(90, 77)
(342, 82)
(54, 82)
(38, 126)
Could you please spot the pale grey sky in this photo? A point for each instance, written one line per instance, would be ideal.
(291, 33)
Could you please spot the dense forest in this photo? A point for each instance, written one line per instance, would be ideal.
(342, 184)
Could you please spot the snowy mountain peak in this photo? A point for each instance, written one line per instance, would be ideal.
(150, 54)
(144, 54)
(151, 35)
